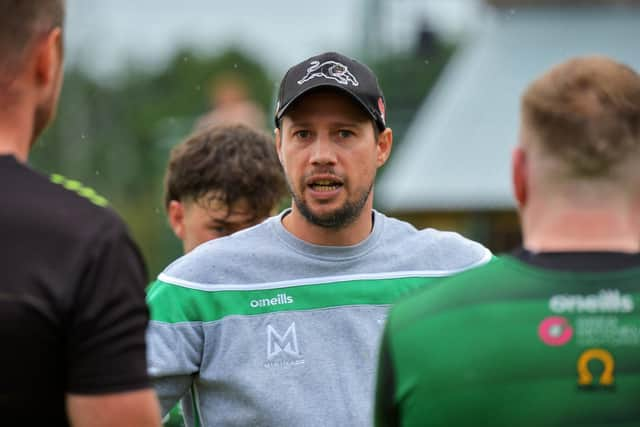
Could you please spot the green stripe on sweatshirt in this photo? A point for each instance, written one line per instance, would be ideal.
(173, 304)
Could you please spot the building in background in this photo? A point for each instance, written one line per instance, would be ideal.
(452, 171)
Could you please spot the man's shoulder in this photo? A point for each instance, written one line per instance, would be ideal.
(63, 206)
(491, 281)
(80, 209)
(435, 249)
(223, 253)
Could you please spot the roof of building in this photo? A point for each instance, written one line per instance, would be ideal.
(456, 154)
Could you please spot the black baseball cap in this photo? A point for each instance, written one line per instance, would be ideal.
(331, 69)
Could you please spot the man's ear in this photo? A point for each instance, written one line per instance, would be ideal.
(385, 142)
(519, 175)
(175, 213)
(278, 136)
(49, 61)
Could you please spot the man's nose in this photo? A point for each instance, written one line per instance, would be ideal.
(323, 151)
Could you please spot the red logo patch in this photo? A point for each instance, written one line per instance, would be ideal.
(555, 331)
(381, 108)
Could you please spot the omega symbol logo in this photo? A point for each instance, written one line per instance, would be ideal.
(585, 377)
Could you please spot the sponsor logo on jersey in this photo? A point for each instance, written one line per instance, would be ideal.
(584, 365)
(555, 331)
(330, 70)
(605, 301)
(280, 299)
(283, 349)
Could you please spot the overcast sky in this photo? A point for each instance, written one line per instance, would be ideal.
(104, 35)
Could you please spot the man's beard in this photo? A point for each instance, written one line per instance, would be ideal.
(340, 218)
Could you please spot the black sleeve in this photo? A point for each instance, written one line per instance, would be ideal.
(386, 410)
(106, 350)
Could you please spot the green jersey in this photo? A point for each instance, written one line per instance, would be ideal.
(518, 342)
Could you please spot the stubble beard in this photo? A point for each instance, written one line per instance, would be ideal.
(339, 218)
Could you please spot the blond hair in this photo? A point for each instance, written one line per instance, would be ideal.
(586, 114)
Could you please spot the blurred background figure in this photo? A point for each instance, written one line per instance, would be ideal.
(549, 335)
(231, 104)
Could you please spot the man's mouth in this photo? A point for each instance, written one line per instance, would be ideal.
(325, 185)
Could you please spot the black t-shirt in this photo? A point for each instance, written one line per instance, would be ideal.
(72, 301)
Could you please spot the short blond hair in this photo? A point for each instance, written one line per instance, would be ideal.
(586, 113)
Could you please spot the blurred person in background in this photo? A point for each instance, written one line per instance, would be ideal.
(72, 308)
(549, 335)
(279, 325)
(222, 180)
(231, 104)
(219, 181)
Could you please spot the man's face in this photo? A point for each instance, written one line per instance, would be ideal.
(327, 145)
(196, 222)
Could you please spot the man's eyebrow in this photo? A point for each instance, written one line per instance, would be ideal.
(300, 123)
(351, 123)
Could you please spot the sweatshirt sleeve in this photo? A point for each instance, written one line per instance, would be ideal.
(174, 344)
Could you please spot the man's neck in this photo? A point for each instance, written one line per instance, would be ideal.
(19, 151)
(16, 127)
(571, 229)
(349, 235)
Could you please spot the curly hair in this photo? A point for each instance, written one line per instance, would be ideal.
(586, 112)
(230, 163)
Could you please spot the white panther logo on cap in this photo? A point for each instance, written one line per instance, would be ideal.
(330, 70)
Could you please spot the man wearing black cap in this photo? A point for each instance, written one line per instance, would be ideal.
(279, 324)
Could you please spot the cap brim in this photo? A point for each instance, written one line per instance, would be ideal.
(327, 84)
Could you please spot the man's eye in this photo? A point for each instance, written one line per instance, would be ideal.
(303, 134)
(344, 133)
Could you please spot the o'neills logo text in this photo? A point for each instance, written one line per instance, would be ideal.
(605, 301)
(280, 299)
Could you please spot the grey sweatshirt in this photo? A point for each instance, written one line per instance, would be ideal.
(263, 329)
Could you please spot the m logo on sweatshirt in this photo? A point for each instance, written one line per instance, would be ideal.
(283, 349)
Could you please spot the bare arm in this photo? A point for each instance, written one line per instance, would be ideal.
(129, 409)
